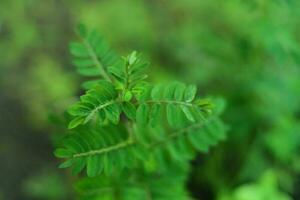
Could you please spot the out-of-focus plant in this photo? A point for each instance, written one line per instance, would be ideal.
(50, 88)
(32, 61)
(47, 185)
(265, 188)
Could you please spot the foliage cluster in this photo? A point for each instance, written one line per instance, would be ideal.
(122, 121)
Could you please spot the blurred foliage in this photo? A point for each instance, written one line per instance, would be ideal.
(245, 50)
(133, 185)
(47, 185)
(265, 188)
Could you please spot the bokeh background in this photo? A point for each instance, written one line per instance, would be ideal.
(247, 51)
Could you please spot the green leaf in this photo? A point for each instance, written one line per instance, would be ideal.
(198, 142)
(186, 110)
(66, 164)
(142, 114)
(113, 113)
(78, 165)
(132, 58)
(127, 96)
(82, 30)
(169, 91)
(173, 115)
(63, 153)
(157, 92)
(173, 151)
(155, 115)
(190, 93)
(78, 49)
(76, 122)
(179, 92)
(143, 92)
(94, 166)
(90, 84)
(129, 110)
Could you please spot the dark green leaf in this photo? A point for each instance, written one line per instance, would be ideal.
(129, 110)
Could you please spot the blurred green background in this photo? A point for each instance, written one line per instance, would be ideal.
(247, 51)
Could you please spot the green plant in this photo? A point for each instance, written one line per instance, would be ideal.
(122, 121)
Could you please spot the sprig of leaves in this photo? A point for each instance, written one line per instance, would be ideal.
(165, 124)
(99, 102)
(92, 56)
(176, 98)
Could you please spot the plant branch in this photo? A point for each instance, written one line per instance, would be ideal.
(169, 102)
(105, 150)
(179, 132)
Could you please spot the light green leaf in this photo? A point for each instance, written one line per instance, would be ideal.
(190, 93)
(186, 110)
(63, 153)
(127, 96)
(76, 122)
(173, 115)
(78, 49)
(169, 91)
(157, 92)
(132, 58)
(179, 91)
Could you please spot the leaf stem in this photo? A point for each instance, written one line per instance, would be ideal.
(105, 150)
(92, 113)
(169, 102)
(131, 141)
(177, 133)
